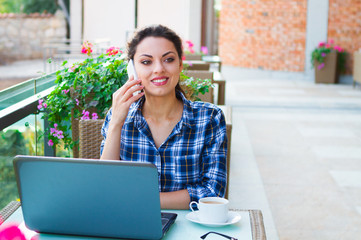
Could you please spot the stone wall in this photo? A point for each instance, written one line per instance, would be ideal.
(261, 34)
(23, 36)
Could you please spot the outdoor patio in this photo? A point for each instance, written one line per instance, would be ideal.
(295, 152)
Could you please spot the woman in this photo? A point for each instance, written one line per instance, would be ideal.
(185, 140)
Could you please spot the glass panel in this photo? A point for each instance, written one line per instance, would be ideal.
(21, 91)
(22, 137)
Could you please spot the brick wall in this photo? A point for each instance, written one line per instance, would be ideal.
(344, 26)
(263, 34)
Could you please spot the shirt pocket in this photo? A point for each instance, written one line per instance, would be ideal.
(187, 169)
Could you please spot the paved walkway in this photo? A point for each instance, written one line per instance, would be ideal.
(20, 71)
(296, 151)
(305, 141)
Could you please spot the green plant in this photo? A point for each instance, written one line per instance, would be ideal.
(84, 90)
(194, 86)
(30, 6)
(324, 48)
(12, 143)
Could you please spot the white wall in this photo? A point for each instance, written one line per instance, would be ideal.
(110, 19)
(76, 19)
(182, 16)
(317, 24)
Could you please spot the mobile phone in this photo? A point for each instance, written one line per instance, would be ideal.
(131, 71)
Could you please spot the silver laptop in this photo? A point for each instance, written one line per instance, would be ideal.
(117, 199)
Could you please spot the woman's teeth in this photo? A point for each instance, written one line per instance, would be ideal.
(160, 80)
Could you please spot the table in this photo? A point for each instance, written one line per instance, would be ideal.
(213, 59)
(250, 227)
(219, 79)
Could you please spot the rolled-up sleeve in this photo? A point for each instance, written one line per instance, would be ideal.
(213, 172)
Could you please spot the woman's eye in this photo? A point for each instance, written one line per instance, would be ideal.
(169, 60)
(145, 62)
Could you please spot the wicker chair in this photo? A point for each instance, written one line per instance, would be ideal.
(90, 138)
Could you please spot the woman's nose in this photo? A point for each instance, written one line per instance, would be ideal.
(158, 67)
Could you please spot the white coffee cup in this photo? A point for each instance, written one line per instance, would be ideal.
(211, 209)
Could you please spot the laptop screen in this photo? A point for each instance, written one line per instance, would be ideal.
(89, 197)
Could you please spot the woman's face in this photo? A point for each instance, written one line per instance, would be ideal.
(158, 65)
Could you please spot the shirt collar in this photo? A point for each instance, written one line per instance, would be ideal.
(135, 111)
(187, 117)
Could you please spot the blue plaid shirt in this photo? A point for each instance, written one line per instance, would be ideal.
(193, 157)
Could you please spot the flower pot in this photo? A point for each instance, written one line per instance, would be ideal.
(75, 121)
(328, 73)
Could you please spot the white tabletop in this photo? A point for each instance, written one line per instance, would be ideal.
(181, 229)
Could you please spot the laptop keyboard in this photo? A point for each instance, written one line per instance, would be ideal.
(164, 219)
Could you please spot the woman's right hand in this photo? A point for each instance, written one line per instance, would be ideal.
(123, 98)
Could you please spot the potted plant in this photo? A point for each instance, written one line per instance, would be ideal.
(329, 61)
(84, 91)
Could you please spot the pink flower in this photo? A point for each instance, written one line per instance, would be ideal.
(66, 91)
(183, 57)
(94, 116)
(77, 102)
(87, 48)
(85, 115)
(59, 134)
(52, 130)
(50, 143)
(321, 44)
(338, 48)
(321, 66)
(41, 104)
(323, 54)
(56, 133)
(204, 50)
(113, 51)
(190, 44)
(11, 232)
(331, 41)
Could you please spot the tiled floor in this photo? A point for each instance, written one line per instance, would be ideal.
(305, 141)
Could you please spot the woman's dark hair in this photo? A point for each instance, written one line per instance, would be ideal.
(156, 31)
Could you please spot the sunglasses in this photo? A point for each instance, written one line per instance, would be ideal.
(220, 234)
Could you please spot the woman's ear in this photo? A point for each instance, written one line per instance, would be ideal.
(181, 65)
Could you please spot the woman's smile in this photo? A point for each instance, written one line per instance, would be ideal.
(159, 81)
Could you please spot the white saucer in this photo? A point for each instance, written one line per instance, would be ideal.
(233, 217)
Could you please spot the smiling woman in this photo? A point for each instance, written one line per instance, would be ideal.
(185, 140)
